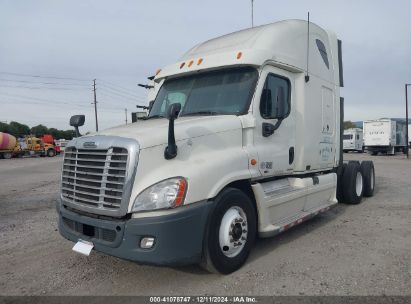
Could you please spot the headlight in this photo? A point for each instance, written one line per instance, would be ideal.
(169, 193)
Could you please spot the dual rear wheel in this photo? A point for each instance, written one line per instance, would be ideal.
(355, 180)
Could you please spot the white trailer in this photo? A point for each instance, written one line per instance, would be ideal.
(384, 135)
(241, 141)
(353, 140)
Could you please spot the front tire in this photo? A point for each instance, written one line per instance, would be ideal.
(231, 232)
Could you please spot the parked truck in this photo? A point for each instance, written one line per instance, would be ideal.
(27, 145)
(242, 141)
(353, 140)
(384, 135)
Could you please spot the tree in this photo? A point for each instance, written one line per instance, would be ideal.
(19, 129)
(68, 134)
(57, 134)
(39, 130)
(4, 127)
(349, 124)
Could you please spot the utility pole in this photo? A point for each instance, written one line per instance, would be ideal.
(126, 114)
(95, 103)
(252, 13)
(406, 119)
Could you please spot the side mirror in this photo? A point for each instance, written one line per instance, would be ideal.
(173, 111)
(77, 121)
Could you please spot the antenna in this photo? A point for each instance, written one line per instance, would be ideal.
(252, 13)
(307, 77)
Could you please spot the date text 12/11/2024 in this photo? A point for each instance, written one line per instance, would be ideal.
(203, 299)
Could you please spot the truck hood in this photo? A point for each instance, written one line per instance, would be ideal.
(154, 132)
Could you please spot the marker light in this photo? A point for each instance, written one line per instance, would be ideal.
(239, 54)
(158, 72)
(200, 61)
(253, 162)
(182, 65)
(190, 63)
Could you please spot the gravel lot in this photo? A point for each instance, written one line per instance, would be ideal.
(350, 250)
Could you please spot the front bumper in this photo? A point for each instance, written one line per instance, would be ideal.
(178, 235)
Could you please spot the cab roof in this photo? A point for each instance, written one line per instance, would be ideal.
(283, 43)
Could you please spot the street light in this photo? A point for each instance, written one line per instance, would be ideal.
(406, 117)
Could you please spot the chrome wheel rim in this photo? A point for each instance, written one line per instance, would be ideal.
(233, 231)
(358, 184)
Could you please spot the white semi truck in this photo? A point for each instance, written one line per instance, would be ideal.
(384, 135)
(353, 140)
(242, 140)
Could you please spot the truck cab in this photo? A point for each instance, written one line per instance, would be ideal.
(353, 140)
(241, 141)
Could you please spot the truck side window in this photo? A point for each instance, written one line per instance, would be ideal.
(275, 98)
(323, 52)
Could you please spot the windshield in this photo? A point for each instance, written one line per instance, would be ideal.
(221, 92)
(347, 136)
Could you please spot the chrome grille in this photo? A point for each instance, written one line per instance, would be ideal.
(94, 177)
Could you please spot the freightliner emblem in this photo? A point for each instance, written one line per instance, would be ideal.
(89, 144)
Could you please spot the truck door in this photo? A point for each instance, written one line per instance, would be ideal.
(274, 136)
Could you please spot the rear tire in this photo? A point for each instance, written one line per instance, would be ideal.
(368, 173)
(353, 183)
(7, 155)
(340, 185)
(51, 153)
(231, 232)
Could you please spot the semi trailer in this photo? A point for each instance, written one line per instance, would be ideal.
(243, 140)
(353, 140)
(384, 135)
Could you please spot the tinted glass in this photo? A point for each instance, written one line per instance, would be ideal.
(275, 98)
(323, 52)
(210, 93)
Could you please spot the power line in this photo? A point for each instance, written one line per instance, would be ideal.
(47, 83)
(109, 87)
(118, 86)
(54, 101)
(48, 77)
(41, 88)
(116, 95)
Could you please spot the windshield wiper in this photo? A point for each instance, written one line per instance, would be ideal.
(154, 116)
(201, 113)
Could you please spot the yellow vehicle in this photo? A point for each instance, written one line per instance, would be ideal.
(33, 145)
(28, 145)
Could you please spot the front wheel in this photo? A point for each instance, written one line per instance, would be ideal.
(230, 233)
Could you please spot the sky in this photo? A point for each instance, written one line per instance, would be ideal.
(68, 43)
